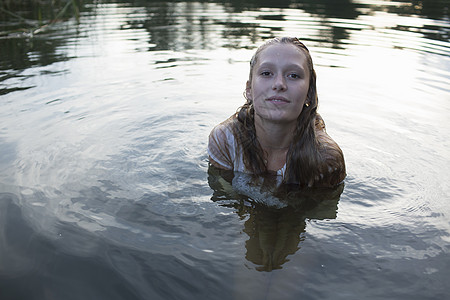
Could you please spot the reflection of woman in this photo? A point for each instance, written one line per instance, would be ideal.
(278, 129)
(274, 233)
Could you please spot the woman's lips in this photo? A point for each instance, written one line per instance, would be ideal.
(277, 99)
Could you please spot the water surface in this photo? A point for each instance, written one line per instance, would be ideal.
(104, 183)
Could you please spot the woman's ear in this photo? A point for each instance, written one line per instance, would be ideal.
(248, 90)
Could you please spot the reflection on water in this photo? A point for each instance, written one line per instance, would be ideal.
(207, 25)
(33, 268)
(273, 235)
(275, 216)
(104, 184)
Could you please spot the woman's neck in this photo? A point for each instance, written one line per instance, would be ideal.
(275, 139)
(274, 136)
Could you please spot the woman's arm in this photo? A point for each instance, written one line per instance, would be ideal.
(217, 165)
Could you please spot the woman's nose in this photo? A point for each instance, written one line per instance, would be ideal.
(279, 83)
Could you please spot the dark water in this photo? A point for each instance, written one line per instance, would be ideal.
(105, 191)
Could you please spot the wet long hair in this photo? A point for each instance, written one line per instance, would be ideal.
(308, 160)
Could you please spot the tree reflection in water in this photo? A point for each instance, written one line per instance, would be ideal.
(275, 217)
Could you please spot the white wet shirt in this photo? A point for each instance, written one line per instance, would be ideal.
(225, 151)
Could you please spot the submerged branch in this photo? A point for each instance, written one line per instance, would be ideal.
(63, 10)
(37, 29)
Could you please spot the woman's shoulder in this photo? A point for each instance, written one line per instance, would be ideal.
(332, 162)
(222, 145)
(319, 123)
(324, 141)
(224, 129)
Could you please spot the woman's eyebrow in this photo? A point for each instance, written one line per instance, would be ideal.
(289, 66)
(296, 67)
(266, 65)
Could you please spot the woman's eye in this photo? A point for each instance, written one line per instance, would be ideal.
(265, 73)
(294, 76)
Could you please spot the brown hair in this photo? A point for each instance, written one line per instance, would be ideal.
(307, 157)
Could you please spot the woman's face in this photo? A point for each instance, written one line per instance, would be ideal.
(279, 84)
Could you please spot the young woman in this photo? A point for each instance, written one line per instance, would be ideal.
(278, 129)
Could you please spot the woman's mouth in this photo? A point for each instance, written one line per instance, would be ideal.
(277, 99)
